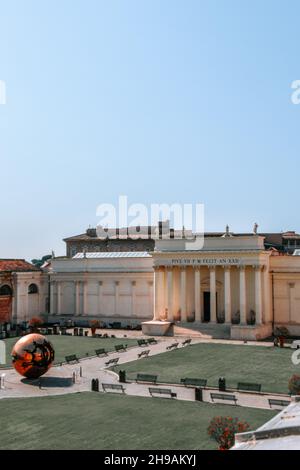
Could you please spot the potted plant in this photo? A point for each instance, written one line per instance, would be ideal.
(252, 318)
(34, 324)
(294, 384)
(94, 324)
(224, 428)
(281, 332)
(236, 318)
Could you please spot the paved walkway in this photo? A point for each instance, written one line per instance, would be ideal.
(58, 379)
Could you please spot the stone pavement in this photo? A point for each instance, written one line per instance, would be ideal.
(58, 379)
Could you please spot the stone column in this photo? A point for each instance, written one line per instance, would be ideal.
(117, 283)
(156, 314)
(133, 295)
(183, 316)
(85, 298)
(197, 277)
(99, 309)
(213, 295)
(243, 299)
(27, 297)
(77, 297)
(42, 297)
(170, 294)
(53, 307)
(58, 293)
(159, 295)
(227, 294)
(258, 296)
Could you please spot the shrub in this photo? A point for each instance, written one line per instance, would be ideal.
(252, 318)
(236, 318)
(35, 322)
(294, 384)
(281, 331)
(94, 324)
(223, 429)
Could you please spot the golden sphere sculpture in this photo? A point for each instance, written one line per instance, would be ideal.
(32, 355)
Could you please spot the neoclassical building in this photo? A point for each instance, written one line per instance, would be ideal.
(228, 282)
(233, 283)
(241, 286)
(109, 286)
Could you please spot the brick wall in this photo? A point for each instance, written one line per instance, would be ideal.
(5, 308)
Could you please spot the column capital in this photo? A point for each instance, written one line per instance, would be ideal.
(241, 267)
(212, 267)
(226, 267)
(197, 268)
(259, 267)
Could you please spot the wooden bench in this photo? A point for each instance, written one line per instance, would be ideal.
(144, 353)
(173, 346)
(194, 382)
(278, 402)
(112, 387)
(101, 352)
(120, 347)
(112, 362)
(186, 342)
(71, 358)
(142, 342)
(223, 396)
(146, 378)
(162, 391)
(151, 341)
(250, 387)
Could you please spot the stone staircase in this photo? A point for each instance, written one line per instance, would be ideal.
(202, 330)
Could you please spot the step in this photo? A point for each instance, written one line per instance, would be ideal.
(217, 331)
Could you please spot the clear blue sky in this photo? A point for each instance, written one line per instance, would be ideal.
(160, 100)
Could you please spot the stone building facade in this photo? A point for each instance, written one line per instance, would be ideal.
(23, 291)
(109, 286)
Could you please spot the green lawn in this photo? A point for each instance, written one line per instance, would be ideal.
(271, 367)
(79, 345)
(99, 421)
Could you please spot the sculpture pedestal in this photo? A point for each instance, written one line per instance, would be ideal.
(155, 327)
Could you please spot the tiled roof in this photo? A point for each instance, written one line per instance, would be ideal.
(16, 265)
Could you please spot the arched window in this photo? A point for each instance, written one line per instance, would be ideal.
(5, 290)
(33, 289)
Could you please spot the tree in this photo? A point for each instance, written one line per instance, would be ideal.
(224, 428)
(294, 384)
(39, 262)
